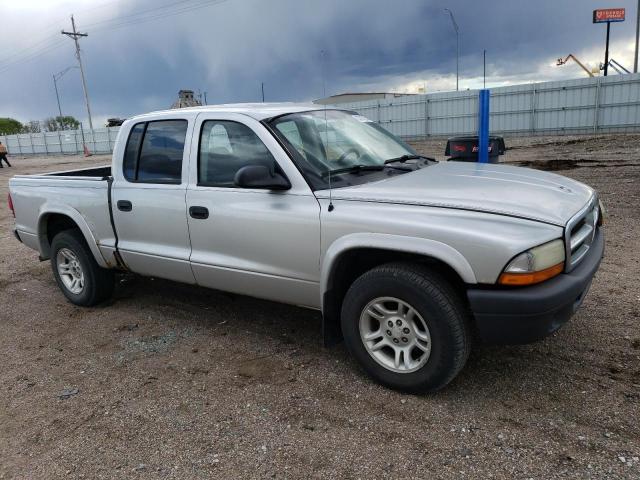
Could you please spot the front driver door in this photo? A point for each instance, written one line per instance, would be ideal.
(255, 242)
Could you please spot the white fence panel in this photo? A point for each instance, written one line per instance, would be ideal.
(66, 142)
(589, 105)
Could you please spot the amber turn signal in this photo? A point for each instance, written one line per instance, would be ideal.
(530, 278)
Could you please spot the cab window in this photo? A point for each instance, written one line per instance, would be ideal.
(154, 152)
(226, 147)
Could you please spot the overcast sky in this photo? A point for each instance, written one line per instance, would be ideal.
(139, 54)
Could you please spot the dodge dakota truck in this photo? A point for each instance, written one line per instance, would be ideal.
(409, 260)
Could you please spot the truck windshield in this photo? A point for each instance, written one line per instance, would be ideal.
(341, 145)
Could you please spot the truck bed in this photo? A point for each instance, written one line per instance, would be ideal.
(82, 195)
(101, 172)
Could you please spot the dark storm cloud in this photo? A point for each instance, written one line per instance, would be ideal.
(229, 48)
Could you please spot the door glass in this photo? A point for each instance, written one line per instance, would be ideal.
(131, 151)
(226, 147)
(161, 153)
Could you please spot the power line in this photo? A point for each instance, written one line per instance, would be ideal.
(26, 50)
(31, 56)
(53, 35)
(93, 8)
(110, 24)
(54, 29)
(167, 6)
(159, 15)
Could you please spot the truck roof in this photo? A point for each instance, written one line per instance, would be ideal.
(259, 111)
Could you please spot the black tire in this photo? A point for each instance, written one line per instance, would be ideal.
(98, 282)
(441, 307)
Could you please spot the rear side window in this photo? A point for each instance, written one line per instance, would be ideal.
(154, 152)
(132, 150)
(226, 147)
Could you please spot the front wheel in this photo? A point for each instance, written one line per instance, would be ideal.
(77, 273)
(407, 327)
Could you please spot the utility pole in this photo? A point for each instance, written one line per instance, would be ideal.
(262, 86)
(56, 77)
(75, 35)
(455, 27)
(606, 51)
(55, 85)
(635, 58)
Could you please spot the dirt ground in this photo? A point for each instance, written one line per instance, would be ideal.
(172, 381)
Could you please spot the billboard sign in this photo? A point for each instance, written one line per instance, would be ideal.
(605, 15)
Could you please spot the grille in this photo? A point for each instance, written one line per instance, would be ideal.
(580, 233)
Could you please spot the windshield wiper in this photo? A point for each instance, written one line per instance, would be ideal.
(403, 158)
(366, 168)
(354, 169)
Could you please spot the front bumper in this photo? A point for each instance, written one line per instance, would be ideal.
(524, 315)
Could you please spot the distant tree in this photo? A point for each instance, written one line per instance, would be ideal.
(66, 122)
(32, 127)
(10, 126)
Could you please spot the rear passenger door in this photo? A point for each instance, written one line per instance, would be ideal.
(252, 241)
(148, 198)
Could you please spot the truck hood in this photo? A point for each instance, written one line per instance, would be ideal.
(500, 189)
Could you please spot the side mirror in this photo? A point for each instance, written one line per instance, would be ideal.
(259, 176)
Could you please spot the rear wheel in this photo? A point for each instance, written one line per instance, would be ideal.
(407, 327)
(76, 271)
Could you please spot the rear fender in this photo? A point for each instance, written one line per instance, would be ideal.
(49, 209)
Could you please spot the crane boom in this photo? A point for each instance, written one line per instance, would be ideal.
(616, 66)
(571, 56)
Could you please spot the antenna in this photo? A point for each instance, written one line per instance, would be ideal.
(323, 56)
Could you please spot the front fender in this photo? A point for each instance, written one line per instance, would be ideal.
(48, 209)
(399, 243)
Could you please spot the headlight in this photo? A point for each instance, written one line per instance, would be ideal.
(535, 265)
(601, 213)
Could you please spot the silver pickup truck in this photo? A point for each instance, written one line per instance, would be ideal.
(409, 260)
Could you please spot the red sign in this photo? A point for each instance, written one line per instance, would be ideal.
(604, 15)
(476, 148)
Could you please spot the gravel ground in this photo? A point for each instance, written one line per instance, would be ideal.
(172, 381)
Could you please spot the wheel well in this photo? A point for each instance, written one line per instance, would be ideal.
(353, 263)
(52, 225)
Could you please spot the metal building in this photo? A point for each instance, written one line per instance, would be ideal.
(358, 97)
(186, 99)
